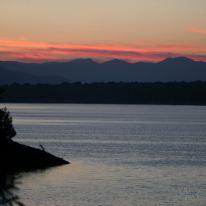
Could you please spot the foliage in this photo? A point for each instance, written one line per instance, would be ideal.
(8, 189)
(111, 92)
(7, 131)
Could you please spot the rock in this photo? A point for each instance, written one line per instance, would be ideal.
(15, 157)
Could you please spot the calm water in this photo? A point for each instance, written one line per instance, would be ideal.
(121, 155)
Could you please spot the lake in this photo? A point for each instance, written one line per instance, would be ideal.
(121, 155)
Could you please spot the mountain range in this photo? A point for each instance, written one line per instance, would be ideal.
(87, 70)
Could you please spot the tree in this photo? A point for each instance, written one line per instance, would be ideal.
(7, 131)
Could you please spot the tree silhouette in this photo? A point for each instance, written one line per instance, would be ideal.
(8, 188)
(7, 131)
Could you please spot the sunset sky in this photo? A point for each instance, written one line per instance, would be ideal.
(133, 30)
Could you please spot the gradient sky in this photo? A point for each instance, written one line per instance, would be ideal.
(133, 30)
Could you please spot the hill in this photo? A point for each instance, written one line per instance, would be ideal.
(86, 70)
(8, 76)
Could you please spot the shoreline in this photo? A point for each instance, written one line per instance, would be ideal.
(17, 157)
(97, 103)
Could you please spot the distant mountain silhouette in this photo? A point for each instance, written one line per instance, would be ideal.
(11, 76)
(87, 70)
(178, 60)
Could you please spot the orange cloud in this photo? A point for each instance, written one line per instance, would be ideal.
(197, 30)
(30, 51)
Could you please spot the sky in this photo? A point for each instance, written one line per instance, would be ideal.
(132, 30)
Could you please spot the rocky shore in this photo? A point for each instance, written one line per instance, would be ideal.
(15, 157)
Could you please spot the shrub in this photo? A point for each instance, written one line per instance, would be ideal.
(7, 131)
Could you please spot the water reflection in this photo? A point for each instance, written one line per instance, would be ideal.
(8, 189)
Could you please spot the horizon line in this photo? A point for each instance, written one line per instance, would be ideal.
(95, 60)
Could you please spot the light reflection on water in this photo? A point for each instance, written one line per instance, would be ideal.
(99, 184)
(122, 155)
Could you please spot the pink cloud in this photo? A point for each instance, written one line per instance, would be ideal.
(196, 30)
(30, 51)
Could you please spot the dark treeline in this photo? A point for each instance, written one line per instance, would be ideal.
(193, 93)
